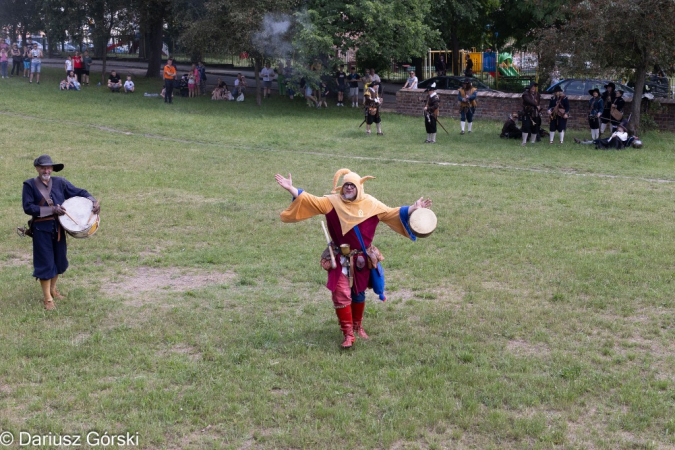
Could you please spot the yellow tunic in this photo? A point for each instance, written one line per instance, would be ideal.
(350, 213)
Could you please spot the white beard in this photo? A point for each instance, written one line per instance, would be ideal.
(45, 177)
(349, 197)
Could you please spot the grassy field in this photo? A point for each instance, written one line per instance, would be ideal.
(538, 315)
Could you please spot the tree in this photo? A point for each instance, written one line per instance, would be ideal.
(465, 20)
(622, 36)
(236, 26)
(104, 16)
(152, 16)
(380, 32)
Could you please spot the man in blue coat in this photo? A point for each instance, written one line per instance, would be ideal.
(42, 199)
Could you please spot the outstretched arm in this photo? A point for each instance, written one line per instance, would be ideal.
(287, 183)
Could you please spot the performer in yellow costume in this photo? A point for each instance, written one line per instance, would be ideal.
(352, 217)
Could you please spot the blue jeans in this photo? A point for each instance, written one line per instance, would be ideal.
(4, 68)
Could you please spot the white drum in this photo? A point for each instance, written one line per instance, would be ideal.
(80, 220)
(423, 222)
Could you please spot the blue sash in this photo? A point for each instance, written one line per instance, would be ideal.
(376, 273)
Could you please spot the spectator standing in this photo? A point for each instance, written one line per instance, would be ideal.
(440, 66)
(17, 59)
(69, 65)
(169, 78)
(26, 62)
(202, 77)
(341, 81)
(114, 82)
(281, 79)
(411, 82)
(129, 86)
(35, 63)
(267, 75)
(191, 85)
(353, 78)
(195, 74)
(288, 78)
(376, 78)
(468, 70)
(78, 68)
(86, 66)
(4, 62)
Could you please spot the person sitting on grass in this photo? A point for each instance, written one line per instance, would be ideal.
(129, 86)
(510, 130)
(114, 82)
(73, 84)
(63, 85)
(617, 141)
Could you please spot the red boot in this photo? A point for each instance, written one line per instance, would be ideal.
(345, 318)
(357, 318)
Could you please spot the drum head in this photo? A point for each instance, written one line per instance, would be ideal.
(423, 222)
(81, 220)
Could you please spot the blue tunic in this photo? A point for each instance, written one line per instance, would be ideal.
(49, 240)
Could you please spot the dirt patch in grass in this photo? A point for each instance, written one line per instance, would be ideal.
(136, 286)
(17, 260)
(192, 353)
(527, 349)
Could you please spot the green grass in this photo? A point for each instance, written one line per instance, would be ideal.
(538, 315)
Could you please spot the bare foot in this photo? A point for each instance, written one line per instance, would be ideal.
(49, 304)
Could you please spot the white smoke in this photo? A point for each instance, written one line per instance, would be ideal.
(272, 38)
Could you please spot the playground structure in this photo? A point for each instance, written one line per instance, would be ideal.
(492, 68)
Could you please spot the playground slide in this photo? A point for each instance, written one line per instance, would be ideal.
(508, 72)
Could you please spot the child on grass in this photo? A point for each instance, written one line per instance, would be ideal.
(129, 86)
(191, 86)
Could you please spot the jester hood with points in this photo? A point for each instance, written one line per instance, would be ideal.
(353, 212)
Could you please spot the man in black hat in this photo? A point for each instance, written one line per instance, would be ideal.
(42, 199)
(532, 113)
(595, 107)
(431, 110)
(371, 104)
(467, 104)
(559, 112)
(618, 140)
(608, 98)
(510, 130)
(616, 109)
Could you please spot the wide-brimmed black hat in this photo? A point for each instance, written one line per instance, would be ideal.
(594, 90)
(624, 125)
(46, 160)
(557, 88)
(431, 87)
(610, 84)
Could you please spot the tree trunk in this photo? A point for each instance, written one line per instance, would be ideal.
(154, 37)
(636, 104)
(455, 49)
(258, 89)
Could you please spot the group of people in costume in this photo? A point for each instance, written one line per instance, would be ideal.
(466, 99)
(604, 110)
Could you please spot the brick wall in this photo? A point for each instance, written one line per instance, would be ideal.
(498, 105)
